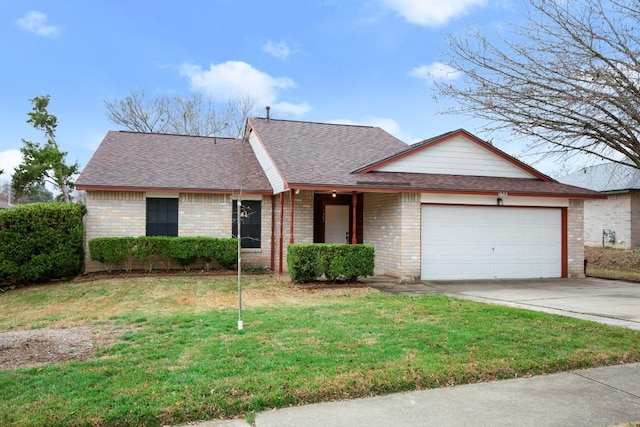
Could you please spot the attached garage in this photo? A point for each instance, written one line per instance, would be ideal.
(491, 242)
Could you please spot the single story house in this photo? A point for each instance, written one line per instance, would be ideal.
(449, 207)
(615, 220)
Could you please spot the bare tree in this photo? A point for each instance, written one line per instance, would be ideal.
(567, 80)
(195, 114)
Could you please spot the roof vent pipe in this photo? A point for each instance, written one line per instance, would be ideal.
(268, 108)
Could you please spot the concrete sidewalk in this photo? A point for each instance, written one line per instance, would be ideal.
(592, 397)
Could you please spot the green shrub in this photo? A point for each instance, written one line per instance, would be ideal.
(147, 251)
(183, 250)
(224, 251)
(163, 248)
(113, 250)
(227, 254)
(348, 262)
(308, 262)
(305, 262)
(40, 242)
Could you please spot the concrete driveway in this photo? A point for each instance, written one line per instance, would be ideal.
(606, 301)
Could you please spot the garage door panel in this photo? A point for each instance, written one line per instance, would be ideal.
(465, 242)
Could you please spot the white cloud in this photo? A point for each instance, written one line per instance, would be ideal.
(280, 49)
(289, 108)
(9, 161)
(234, 79)
(431, 13)
(435, 71)
(36, 22)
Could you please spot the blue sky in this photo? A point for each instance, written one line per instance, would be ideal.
(352, 61)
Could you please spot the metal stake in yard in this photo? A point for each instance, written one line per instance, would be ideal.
(239, 205)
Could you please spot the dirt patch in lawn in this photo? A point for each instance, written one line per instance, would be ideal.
(22, 349)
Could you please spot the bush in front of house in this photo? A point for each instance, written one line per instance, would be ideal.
(113, 251)
(305, 262)
(40, 242)
(309, 261)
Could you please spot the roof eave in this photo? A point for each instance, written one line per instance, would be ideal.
(172, 190)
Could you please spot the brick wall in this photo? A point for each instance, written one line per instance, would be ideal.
(204, 215)
(635, 221)
(575, 240)
(382, 229)
(613, 213)
(113, 214)
(410, 254)
(120, 214)
(392, 226)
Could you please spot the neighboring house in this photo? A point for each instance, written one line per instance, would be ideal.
(614, 221)
(450, 207)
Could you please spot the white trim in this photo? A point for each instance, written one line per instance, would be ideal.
(250, 197)
(161, 195)
(461, 199)
(267, 164)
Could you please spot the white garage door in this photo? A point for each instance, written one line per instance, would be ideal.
(487, 242)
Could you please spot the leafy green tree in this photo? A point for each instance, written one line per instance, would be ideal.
(44, 163)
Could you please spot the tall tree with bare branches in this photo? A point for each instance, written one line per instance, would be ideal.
(194, 114)
(567, 80)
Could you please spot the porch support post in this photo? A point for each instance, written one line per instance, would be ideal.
(354, 217)
(281, 234)
(291, 196)
(272, 264)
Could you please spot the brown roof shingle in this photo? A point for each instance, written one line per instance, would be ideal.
(308, 153)
(143, 161)
(436, 183)
(323, 155)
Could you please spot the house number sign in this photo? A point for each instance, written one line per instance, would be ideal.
(503, 194)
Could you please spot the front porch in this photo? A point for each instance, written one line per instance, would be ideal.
(388, 221)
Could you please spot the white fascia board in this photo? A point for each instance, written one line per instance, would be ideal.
(266, 162)
(462, 199)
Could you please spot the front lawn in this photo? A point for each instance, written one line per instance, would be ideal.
(175, 354)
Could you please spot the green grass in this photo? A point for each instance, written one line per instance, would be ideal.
(193, 365)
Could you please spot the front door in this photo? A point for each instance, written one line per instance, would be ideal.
(336, 224)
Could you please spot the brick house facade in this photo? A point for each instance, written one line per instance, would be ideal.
(322, 183)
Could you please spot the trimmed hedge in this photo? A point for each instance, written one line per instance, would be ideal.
(40, 242)
(337, 261)
(114, 251)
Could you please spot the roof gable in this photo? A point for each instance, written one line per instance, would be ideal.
(455, 153)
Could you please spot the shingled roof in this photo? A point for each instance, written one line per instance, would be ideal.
(332, 156)
(607, 177)
(308, 153)
(161, 162)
